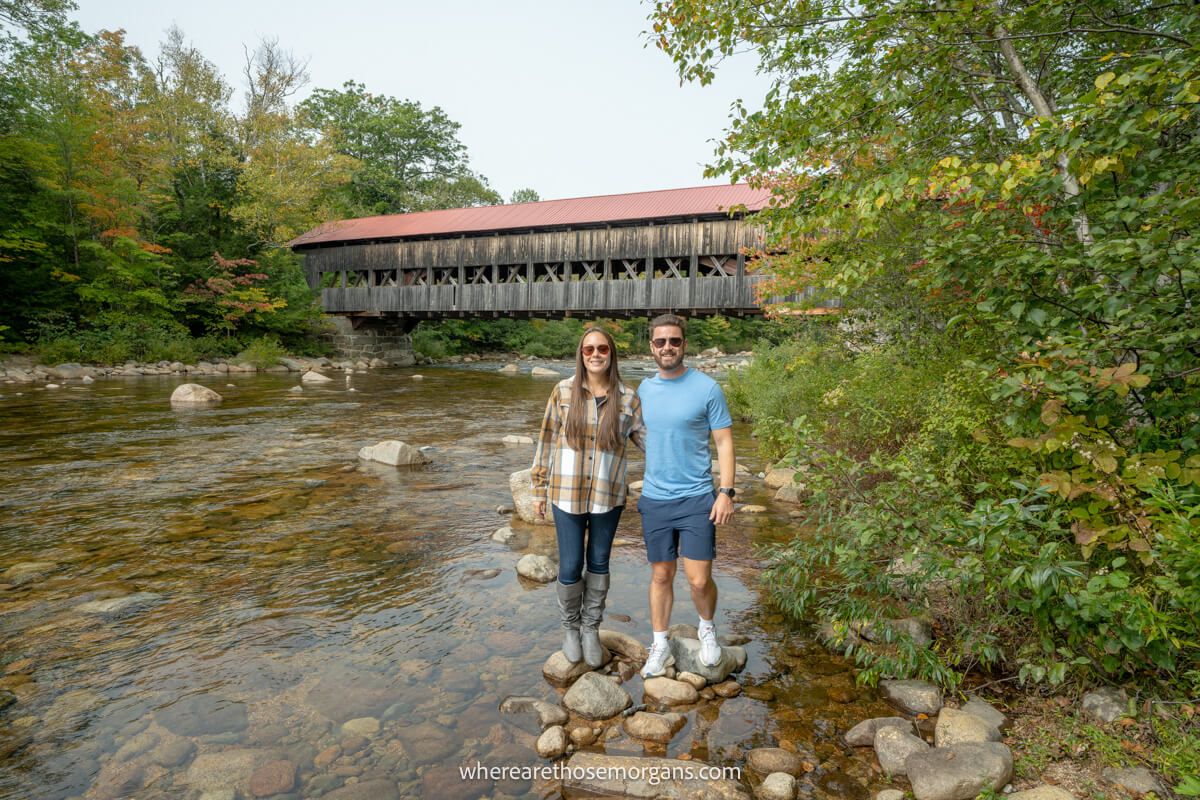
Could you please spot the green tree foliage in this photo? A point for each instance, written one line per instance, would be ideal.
(1023, 178)
(405, 158)
(525, 196)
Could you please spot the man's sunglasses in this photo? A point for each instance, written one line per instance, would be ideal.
(661, 342)
(602, 349)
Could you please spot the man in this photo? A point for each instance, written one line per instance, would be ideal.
(681, 408)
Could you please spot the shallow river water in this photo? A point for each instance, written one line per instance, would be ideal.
(265, 587)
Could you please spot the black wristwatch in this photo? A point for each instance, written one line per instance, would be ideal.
(728, 490)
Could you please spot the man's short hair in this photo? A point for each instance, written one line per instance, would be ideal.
(668, 319)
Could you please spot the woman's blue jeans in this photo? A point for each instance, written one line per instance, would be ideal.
(572, 530)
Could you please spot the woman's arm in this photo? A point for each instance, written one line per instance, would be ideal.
(539, 474)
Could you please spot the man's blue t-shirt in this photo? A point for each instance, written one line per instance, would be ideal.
(680, 415)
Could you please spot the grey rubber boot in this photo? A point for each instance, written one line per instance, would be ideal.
(594, 595)
(570, 598)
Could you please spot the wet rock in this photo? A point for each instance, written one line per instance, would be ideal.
(312, 376)
(447, 783)
(918, 630)
(514, 439)
(777, 786)
(394, 453)
(27, 572)
(522, 493)
(542, 372)
(273, 777)
(203, 715)
(372, 790)
(561, 672)
(913, 697)
(504, 535)
(427, 743)
(654, 727)
(7, 699)
(955, 725)
(683, 630)
(596, 774)
(548, 714)
(596, 697)
(225, 769)
(582, 736)
(863, 734)
(697, 682)
(752, 509)
(536, 567)
(326, 757)
(670, 692)
(509, 369)
(481, 574)
(136, 745)
(890, 794)
(118, 606)
(362, 726)
(764, 694)
(219, 794)
(117, 779)
(1044, 792)
(765, 760)
(1137, 781)
(959, 772)
(986, 712)
(623, 644)
(687, 659)
(893, 747)
(172, 751)
(1107, 704)
(727, 689)
(793, 493)
(193, 394)
(779, 477)
(342, 695)
(553, 742)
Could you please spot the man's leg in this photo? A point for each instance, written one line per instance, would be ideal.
(662, 594)
(698, 546)
(704, 589)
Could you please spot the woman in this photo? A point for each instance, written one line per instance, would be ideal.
(579, 467)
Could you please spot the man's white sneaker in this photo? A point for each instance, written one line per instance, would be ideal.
(658, 660)
(710, 648)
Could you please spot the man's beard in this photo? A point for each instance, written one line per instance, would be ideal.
(668, 363)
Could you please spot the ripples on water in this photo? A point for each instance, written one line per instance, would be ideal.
(289, 588)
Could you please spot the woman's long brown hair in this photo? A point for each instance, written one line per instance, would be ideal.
(608, 433)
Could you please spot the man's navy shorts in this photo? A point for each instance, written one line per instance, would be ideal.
(674, 528)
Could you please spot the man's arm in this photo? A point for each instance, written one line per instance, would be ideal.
(722, 510)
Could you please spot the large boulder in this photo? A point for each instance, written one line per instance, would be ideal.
(893, 746)
(955, 726)
(192, 395)
(668, 692)
(913, 697)
(393, 452)
(596, 774)
(522, 493)
(687, 659)
(542, 372)
(1107, 704)
(623, 644)
(959, 772)
(779, 477)
(312, 376)
(863, 734)
(793, 493)
(596, 697)
(986, 712)
(560, 672)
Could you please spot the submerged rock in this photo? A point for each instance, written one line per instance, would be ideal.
(608, 776)
(118, 606)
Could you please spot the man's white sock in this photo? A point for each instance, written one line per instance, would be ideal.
(706, 624)
(660, 637)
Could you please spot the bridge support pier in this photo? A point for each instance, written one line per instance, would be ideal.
(367, 337)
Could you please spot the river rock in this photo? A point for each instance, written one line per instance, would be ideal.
(1107, 704)
(919, 630)
(509, 369)
(226, 769)
(553, 742)
(118, 606)
(203, 715)
(793, 493)
(193, 394)
(514, 439)
(752, 509)
(522, 493)
(986, 712)
(607, 776)
(1138, 781)
(560, 672)
(954, 726)
(670, 692)
(697, 682)
(779, 477)
(777, 786)
(382, 789)
(25, 572)
(623, 644)
(654, 727)
(312, 376)
(890, 794)
(427, 743)
(548, 714)
(69, 372)
(542, 372)
(959, 772)
(361, 726)
(118, 779)
(88, 379)
(1044, 792)
(893, 746)
(687, 659)
(342, 694)
(913, 697)
(537, 567)
(136, 745)
(765, 760)
(445, 782)
(393, 452)
(863, 734)
(172, 751)
(273, 777)
(595, 697)
(504, 535)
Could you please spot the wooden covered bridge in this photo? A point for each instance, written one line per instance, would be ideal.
(613, 256)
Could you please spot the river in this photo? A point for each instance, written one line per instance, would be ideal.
(264, 587)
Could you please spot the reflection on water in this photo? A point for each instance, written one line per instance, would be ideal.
(201, 600)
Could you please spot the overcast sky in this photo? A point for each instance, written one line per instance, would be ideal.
(561, 96)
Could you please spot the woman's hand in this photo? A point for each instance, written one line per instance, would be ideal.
(539, 508)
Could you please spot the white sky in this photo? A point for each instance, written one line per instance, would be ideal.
(559, 95)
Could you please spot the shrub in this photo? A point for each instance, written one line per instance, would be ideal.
(263, 352)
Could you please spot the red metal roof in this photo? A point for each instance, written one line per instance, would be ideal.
(696, 201)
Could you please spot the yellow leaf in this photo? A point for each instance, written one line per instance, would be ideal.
(1105, 80)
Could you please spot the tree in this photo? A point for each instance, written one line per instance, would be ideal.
(524, 196)
(408, 158)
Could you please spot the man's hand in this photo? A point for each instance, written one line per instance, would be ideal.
(722, 509)
(539, 508)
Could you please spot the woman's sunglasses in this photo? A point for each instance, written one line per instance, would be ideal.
(602, 349)
(661, 342)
